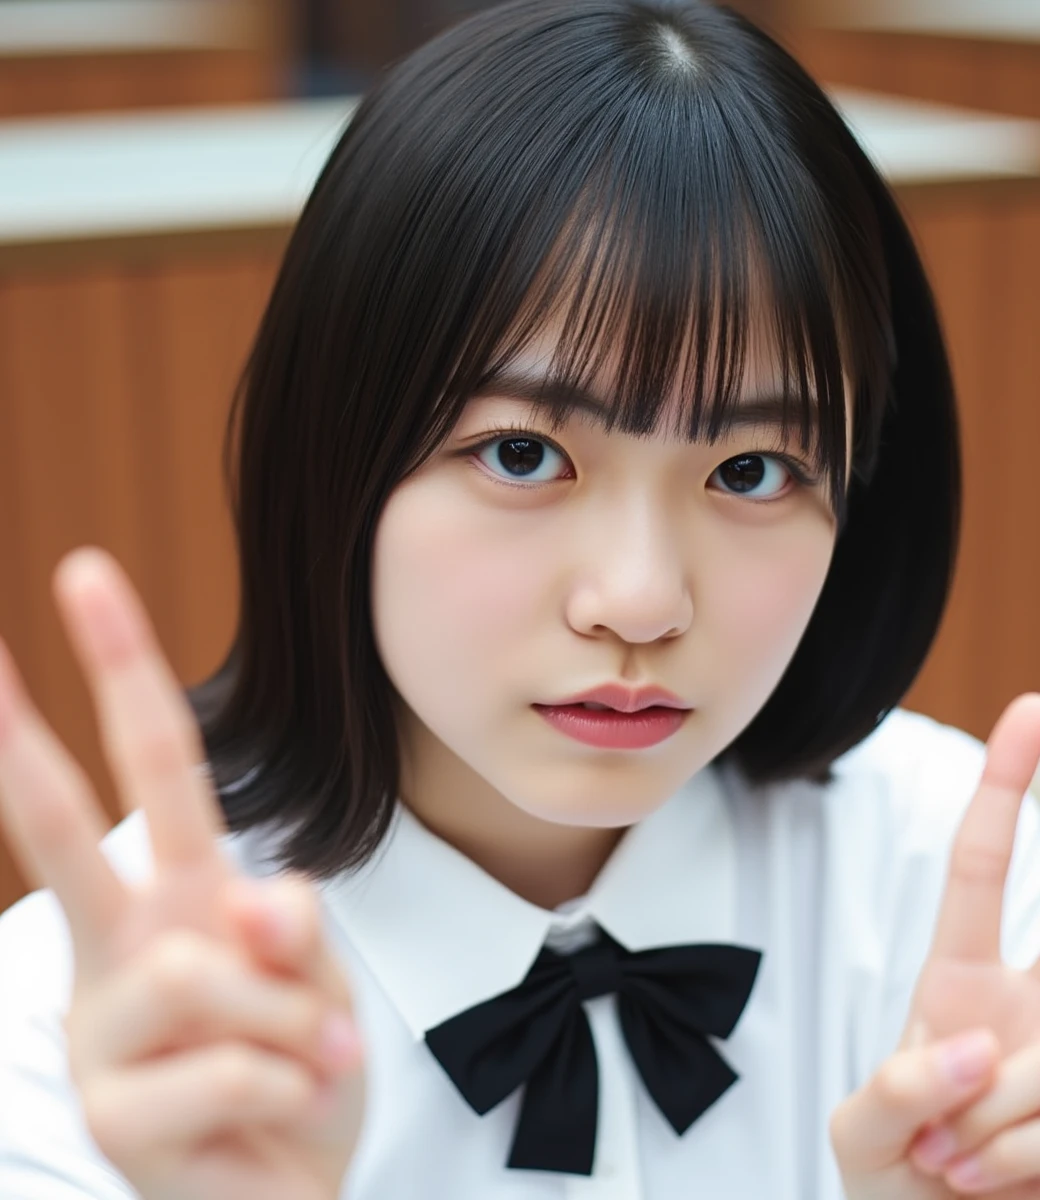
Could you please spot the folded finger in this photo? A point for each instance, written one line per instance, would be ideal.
(53, 820)
(141, 1114)
(875, 1127)
(186, 990)
(151, 740)
(283, 921)
(1011, 1157)
(1013, 1098)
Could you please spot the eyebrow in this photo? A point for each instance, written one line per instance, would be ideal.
(765, 410)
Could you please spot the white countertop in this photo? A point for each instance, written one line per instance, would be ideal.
(34, 27)
(86, 177)
(1002, 20)
(915, 141)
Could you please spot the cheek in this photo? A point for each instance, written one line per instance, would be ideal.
(765, 603)
(448, 591)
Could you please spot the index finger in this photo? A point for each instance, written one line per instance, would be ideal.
(151, 741)
(968, 926)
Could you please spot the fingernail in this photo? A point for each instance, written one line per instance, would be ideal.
(968, 1058)
(936, 1147)
(340, 1043)
(967, 1173)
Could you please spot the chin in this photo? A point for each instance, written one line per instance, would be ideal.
(591, 812)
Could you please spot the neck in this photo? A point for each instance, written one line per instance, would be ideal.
(541, 861)
(545, 864)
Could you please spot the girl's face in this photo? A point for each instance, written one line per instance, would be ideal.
(520, 567)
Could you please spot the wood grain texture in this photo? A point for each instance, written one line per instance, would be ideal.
(54, 84)
(244, 57)
(116, 386)
(988, 74)
(984, 263)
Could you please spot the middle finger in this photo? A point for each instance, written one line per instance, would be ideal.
(53, 821)
(186, 991)
(1014, 1097)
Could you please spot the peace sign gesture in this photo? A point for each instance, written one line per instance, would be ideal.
(197, 1039)
(956, 1110)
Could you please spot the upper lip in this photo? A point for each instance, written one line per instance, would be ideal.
(627, 699)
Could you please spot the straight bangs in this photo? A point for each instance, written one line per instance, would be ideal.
(662, 229)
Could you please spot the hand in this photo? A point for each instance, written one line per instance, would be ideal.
(987, 1096)
(194, 1032)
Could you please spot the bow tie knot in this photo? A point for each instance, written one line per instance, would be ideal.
(596, 970)
(669, 1001)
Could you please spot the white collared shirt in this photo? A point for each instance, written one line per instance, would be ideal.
(838, 885)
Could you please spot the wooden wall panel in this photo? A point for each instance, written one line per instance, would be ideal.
(999, 76)
(116, 385)
(984, 263)
(50, 84)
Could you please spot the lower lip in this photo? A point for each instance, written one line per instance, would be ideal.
(613, 730)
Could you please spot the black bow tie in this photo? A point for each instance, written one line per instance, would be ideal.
(538, 1034)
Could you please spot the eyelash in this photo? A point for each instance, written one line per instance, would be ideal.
(800, 471)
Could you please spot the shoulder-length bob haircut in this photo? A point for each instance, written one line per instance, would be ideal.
(657, 171)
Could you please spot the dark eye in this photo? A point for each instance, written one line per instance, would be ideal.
(526, 458)
(744, 475)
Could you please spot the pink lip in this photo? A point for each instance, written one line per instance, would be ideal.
(626, 700)
(611, 730)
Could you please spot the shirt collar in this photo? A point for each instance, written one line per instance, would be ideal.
(440, 934)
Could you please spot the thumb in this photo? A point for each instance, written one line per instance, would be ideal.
(919, 1084)
(280, 920)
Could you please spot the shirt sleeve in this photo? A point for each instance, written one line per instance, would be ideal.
(46, 1151)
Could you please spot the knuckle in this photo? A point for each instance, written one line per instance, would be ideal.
(178, 967)
(295, 1086)
(896, 1084)
(973, 863)
(52, 803)
(245, 1079)
(235, 1074)
(158, 749)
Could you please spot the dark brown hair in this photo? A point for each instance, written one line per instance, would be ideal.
(628, 155)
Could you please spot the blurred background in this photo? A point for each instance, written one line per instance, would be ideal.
(153, 155)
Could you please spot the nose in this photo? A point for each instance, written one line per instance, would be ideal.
(632, 580)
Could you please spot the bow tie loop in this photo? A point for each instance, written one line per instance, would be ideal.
(704, 987)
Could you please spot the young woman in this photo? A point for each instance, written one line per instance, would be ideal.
(596, 485)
